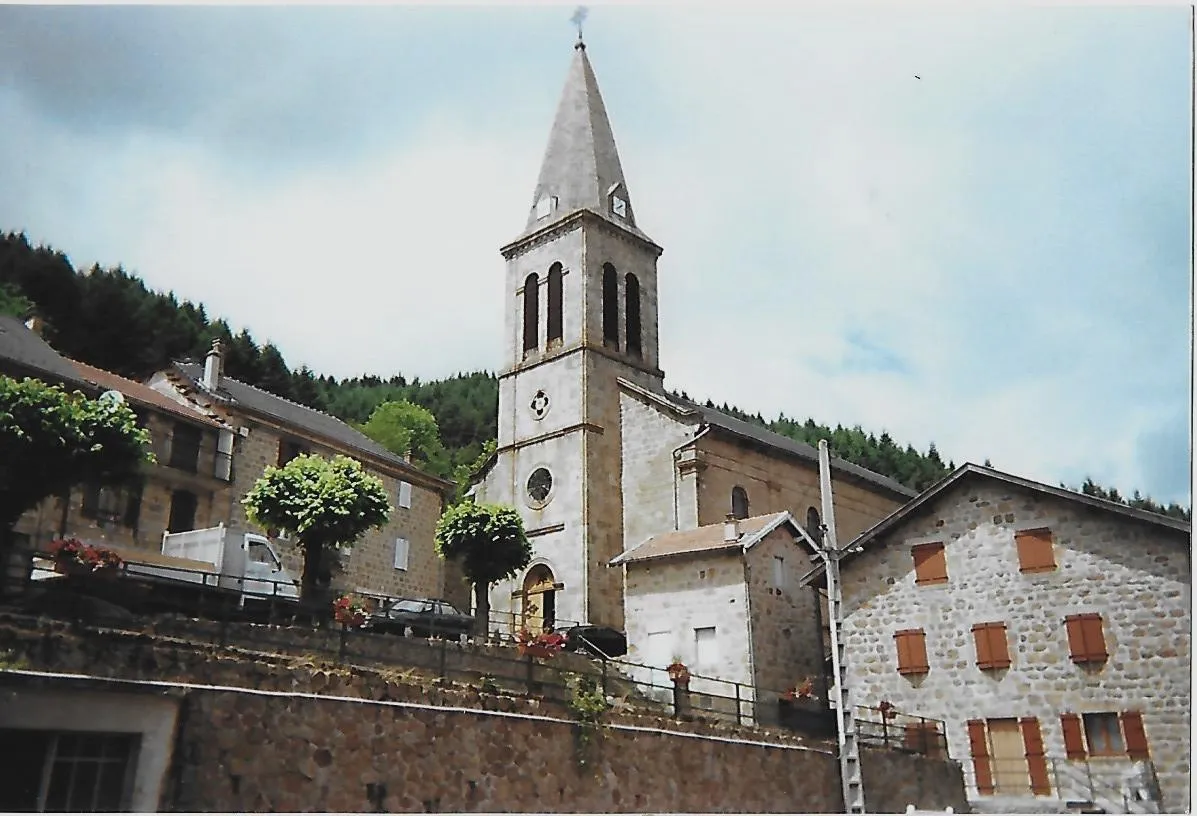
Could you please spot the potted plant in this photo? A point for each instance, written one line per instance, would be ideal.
(348, 613)
(544, 645)
(799, 708)
(678, 672)
(73, 557)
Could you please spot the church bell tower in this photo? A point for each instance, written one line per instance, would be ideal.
(581, 313)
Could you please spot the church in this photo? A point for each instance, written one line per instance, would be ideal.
(594, 451)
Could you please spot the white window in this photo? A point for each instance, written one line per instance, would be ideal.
(705, 652)
(402, 549)
(545, 206)
(619, 206)
(779, 572)
(405, 494)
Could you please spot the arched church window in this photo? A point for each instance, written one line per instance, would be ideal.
(631, 294)
(610, 306)
(739, 502)
(555, 331)
(531, 313)
(814, 527)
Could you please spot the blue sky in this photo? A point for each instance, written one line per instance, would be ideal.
(963, 226)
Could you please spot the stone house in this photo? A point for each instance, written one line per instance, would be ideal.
(187, 487)
(397, 560)
(730, 601)
(592, 449)
(1050, 630)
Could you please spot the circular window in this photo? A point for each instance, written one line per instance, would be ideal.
(539, 404)
(539, 485)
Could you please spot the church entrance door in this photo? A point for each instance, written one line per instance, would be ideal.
(539, 599)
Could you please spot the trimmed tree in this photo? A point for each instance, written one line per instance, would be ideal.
(52, 440)
(489, 542)
(325, 504)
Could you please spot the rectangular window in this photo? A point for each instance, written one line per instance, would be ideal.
(185, 443)
(1104, 734)
(402, 551)
(779, 572)
(705, 652)
(1086, 639)
(912, 651)
(1035, 553)
(930, 563)
(182, 511)
(405, 494)
(288, 449)
(67, 771)
(993, 651)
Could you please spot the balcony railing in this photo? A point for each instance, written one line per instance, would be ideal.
(187, 454)
(1113, 784)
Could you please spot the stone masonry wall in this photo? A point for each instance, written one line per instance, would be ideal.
(787, 639)
(1136, 575)
(776, 483)
(286, 735)
(650, 481)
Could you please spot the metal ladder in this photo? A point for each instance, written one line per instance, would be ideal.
(850, 776)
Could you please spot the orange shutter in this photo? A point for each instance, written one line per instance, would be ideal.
(903, 652)
(1035, 551)
(1095, 638)
(999, 647)
(1136, 737)
(930, 563)
(1032, 741)
(980, 751)
(918, 651)
(1074, 738)
(981, 641)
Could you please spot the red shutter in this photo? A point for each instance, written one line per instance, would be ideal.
(1074, 738)
(999, 647)
(1076, 639)
(980, 751)
(1095, 638)
(1136, 737)
(981, 642)
(1032, 741)
(901, 641)
(918, 651)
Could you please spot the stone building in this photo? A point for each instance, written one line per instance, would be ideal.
(592, 449)
(398, 559)
(1050, 630)
(729, 601)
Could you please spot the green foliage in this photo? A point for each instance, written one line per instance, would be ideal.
(51, 440)
(321, 501)
(403, 427)
(12, 302)
(488, 540)
(1137, 500)
(325, 504)
(588, 704)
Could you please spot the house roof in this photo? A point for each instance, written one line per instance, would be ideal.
(142, 394)
(23, 348)
(763, 436)
(968, 470)
(705, 540)
(284, 411)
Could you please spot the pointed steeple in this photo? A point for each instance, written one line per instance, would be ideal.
(581, 167)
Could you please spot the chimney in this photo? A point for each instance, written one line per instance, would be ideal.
(731, 529)
(213, 365)
(36, 325)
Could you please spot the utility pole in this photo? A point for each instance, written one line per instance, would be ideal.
(829, 552)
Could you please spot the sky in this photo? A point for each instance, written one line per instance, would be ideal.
(963, 226)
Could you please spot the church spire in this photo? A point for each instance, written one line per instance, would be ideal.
(581, 167)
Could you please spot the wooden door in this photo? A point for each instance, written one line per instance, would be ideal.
(1009, 758)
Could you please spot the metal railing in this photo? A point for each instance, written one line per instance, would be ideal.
(889, 728)
(187, 455)
(1114, 784)
(203, 607)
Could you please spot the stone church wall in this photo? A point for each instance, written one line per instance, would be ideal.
(775, 482)
(1136, 575)
(652, 489)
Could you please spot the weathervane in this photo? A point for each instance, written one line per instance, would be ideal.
(579, 18)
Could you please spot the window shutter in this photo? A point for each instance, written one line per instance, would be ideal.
(981, 641)
(1095, 639)
(405, 494)
(999, 647)
(401, 553)
(1032, 740)
(1136, 737)
(1076, 639)
(912, 651)
(918, 651)
(903, 652)
(930, 563)
(1035, 552)
(1074, 738)
(979, 748)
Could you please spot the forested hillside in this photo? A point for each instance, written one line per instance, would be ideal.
(110, 319)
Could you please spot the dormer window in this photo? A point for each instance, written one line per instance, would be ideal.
(545, 206)
(619, 206)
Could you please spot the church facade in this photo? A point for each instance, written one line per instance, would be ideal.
(593, 450)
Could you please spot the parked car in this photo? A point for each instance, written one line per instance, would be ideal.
(599, 641)
(426, 618)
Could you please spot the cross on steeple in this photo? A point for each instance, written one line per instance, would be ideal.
(579, 18)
